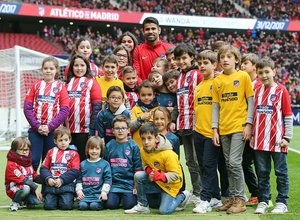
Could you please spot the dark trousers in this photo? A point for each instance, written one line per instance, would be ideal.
(114, 199)
(223, 174)
(207, 155)
(250, 177)
(79, 140)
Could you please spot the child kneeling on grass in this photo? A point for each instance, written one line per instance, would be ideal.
(162, 173)
(19, 175)
(59, 171)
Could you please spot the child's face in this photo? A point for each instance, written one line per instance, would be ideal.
(248, 66)
(157, 80)
(85, 48)
(79, 67)
(161, 121)
(130, 79)
(23, 150)
(228, 62)
(266, 76)
(206, 68)
(128, 43)
(94, 153)
(146, 95)
(149, 141)
(184, 61)
(171, 84)
(172, 62)
(121, 131)
(122, 58)
(49, 71)
(63, 142)
(110, 70)
(115, 100)
(159, 67)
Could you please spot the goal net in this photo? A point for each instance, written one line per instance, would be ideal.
(19, 68)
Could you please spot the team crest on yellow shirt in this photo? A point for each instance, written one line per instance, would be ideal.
(156, 164)
(236, 83)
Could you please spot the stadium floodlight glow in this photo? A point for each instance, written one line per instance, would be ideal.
(108, 25)
(71, 23)
(172, 29)
(41, 21)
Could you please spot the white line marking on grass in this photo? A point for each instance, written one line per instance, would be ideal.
(294, 150)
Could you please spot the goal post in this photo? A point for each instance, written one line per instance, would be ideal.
(20, 67)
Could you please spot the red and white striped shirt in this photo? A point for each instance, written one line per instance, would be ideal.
(82, 93)
(186, 85)
(271, 105)
(47, 99)
(59, 161)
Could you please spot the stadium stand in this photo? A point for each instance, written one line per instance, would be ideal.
(32, 41)
(262, 9)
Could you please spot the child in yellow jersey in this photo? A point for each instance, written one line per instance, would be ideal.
(232, 118)
(143, 110)
(162, 174)
(207, 153)
(110, 68)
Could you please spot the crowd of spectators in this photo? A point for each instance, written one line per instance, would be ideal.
(283, 47)
(262, 9)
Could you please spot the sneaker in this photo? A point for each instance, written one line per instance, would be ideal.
(215, 203)
(138, 209)
(280, 208)
(270, 204)
(186, 200)
(261, 208)
(202, 207)
(14, 206)
(194, 199)
(238, 206)
(252, 201)
(226, 205)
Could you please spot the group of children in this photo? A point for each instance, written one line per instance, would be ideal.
(209, 112)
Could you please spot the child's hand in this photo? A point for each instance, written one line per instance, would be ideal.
(38, 194)
(103, 196)
(146, 116)
(172, 127)
(80, 195)
(151, 176)
(216, 138)
(247, 132)
(284, 143)
(51, 182)
(58, 182)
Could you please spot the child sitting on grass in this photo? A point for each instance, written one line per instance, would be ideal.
(19, 175)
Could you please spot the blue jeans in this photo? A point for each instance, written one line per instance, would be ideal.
(168, 204)
(25, 195)
(207, 155)
(114, 200)
(263, 166)
(40, 144)
(90, 205)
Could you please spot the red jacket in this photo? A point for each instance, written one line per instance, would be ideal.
(145, 54)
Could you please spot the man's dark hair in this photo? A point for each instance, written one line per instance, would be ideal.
(150, 20)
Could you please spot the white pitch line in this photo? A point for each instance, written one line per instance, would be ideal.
(294, 150)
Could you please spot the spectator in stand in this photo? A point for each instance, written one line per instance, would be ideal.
(129, 41)
(146, 53)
